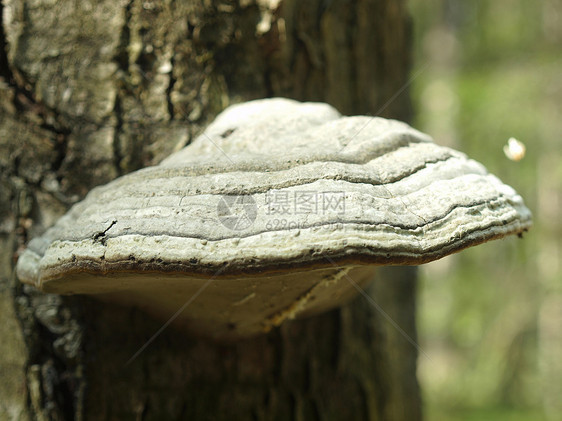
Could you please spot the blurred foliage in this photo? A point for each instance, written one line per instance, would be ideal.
(490, 318)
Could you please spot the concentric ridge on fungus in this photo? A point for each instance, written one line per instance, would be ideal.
(264, 202)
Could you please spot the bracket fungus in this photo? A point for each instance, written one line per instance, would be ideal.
(278, 209)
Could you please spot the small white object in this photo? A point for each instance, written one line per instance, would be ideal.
(166, 67)
(514, 150)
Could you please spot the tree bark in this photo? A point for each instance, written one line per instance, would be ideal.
(92, 91)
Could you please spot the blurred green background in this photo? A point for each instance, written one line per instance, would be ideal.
(490, 318)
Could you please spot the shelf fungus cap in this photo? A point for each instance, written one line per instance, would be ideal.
(278, 209)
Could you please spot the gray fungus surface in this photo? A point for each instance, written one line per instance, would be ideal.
(279, 208)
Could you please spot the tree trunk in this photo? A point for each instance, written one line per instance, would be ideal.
(90, 91)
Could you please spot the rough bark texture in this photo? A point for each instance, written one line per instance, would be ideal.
(89, 91)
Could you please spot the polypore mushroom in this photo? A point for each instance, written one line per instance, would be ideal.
(269, 214)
